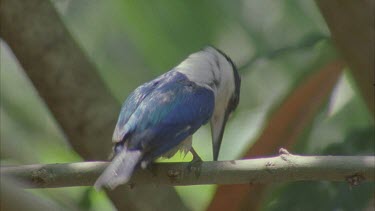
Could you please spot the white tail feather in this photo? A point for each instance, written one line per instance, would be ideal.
(119, 170)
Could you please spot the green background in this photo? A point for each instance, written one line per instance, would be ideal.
(275, 44)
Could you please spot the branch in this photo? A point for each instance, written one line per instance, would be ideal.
(74, 92)
(286, 122)
(65, 78)
(306, 43)
(343, 18)
(283, 168)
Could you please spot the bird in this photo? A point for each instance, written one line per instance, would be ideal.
(159, 117)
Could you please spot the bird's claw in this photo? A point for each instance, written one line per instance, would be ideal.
(196, 164)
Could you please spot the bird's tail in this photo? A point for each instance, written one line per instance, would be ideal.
(119, 170)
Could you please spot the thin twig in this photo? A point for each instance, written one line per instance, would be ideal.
(309, 42)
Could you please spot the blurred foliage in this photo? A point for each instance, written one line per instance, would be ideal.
(276, 44)
(329, 195)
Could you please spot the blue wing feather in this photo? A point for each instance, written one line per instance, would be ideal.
(127, 110)
(130, 105)
(164, 114)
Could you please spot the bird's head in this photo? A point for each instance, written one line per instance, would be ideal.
(214, 70)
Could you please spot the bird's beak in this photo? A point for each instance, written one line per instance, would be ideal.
(218, 122)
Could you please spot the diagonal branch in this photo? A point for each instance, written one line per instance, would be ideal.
(283, 168)
(64, 77)
(352, 27)
(70, 86)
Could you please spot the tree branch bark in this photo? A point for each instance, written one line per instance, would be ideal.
(65, 78)
(352, 26)
(283, 168)
(70, 85)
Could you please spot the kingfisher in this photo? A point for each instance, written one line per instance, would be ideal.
(159, 118)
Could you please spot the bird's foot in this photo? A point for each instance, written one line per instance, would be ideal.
(196, 164)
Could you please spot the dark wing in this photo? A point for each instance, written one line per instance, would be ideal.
(168, 115)
(129, 106)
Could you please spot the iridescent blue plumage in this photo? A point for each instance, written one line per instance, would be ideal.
(160, 114)
(155, 118)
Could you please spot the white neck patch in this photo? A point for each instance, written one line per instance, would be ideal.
(209, 68)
